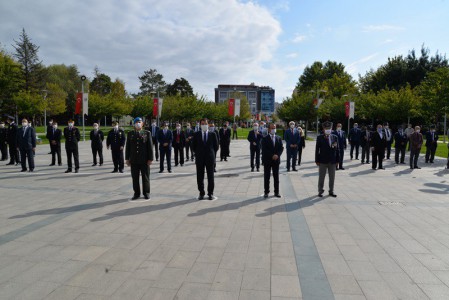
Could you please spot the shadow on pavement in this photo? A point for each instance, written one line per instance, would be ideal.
(403, 172)
(438, 188)
(292, 206)
(68, 209)
(228, 206)
(364, 172)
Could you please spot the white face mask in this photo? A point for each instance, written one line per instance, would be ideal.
(70, 124)
(212, 128)
(432, 130)
(273, 131)
(116, 126)
(327, 131)
(138, 125)
(154, 123)
(55, 126)
(386, 127)
(338, 128)
(24, 124)
(188, 127)
(95, 127)
(292, 126)
(204, 127)
(356, 126)
(417, 130)
(178, 128)
(256, 128)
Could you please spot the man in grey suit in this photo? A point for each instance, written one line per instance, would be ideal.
(26, 144)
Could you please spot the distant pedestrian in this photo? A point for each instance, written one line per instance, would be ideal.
(272, 149)
(72, 137)
(116, 141)
(154, 129)
(416, 141)
(341, 136)
(225, 140)
(165, 140)
(254, 139)
(326, 150)
(96, 137)
(400, 144)
(3, 141)
(292, 142)
(378, 145)
(26, 144)
(365, 141)
(389, 138)
(12, 142)
(54, 137)
(301, 146)
(189, 133)
(354, 138)
(431, 144)
(178, 144)
(234, 131)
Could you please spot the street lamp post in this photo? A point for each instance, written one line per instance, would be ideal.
(44, 92)
(318, 104)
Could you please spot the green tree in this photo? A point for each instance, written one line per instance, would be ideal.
(27, 55)
(151, 82)
(28, 104)
(10, 82)
(180, 86)
(434, 92)
(101, 84)
(55, 102)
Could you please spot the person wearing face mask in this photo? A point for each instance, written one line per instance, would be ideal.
(178, 144)
(12, 142)
(3, 141)
(365, 141)
(389, 137)
(165, 140)
(139, 156)
(301, 146)
(49, 128)
(96, 138)
(205, 146)
(431, 144)
(154, 129)
(378, 145)
(292, 143)
(215, 131)
(254, 139)
(400, 144)
(416, 141)
(54, 137)
(72, 137)
(188, 137)
(26, 144)
(409, 131)
(354, 138)
(272, 149)
(326, 152)
(224, 136)
(341, 137)
(234, 131)
(116, 141)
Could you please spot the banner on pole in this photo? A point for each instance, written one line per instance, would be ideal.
(231, 107)
(351, 109)
(317, 102)
(79, 103)
(237, 107)
(159, 102)
(85, 104)
(347, 108)
(155, 107)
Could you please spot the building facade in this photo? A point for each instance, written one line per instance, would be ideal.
(260, 98)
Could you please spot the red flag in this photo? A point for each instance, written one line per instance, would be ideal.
(155, 107)
(231, 107)
(347, 109)
(79, 102)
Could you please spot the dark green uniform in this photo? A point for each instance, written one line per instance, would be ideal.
(139, 150)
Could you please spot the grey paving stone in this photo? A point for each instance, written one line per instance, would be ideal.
(256, 279)
(202, 273)
(227, 280)
(285, 286)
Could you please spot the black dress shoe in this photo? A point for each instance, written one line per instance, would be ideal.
(93, 165)
(146, 196)
(51, 165)
(30, 170)
(211, 197)
(169, 171)
(416, 167)
(226, 159)
(373, 168)
(76, 170)
(288, 170)
(68, 171)
(121, 171)
(320, 194)
(295, 170)
(265, 195)
(257, 169)
(59, 164)
(252, 169)
(332, 195)
(135, 197)
(10, 164)
(277, 195)
(100, 165)
(201, 197)
(342, 168)
(114, 171)
(23, 170)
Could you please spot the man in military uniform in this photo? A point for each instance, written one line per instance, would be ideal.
(165, 139)
(12, 142)
(3, 141)
(54, 137)
(96, 137)
(139, 156)
(116, 140)
(72, 137)
(178, 145)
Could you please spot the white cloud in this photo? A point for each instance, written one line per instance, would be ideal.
(206, 42)
(387, 41)
(385, 27)
(299, 38)
(292, 55)
(353, 68)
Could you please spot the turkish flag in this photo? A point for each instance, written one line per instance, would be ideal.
(79, 102)
(155, 107)
(231, 107)
(347, 108)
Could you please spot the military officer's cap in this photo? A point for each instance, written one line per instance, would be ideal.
(138, 119)
(327, 124)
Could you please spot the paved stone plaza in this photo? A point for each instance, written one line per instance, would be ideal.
(76, 236)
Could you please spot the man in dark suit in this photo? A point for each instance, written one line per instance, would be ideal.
(416, 141)
(341, 137)
(389, 137)
(3, 141)
(272, 149)
(292, 143)
(139, 156)
(431, 144)
(12, 142)
(214, 130)
(326, 152)
(178, 144)
(255, 139)
(205, 146)
(165, 140)
(96, 137)
(49, 128)
(225, 140)
(72, 137)
(365, 141)
(26, 144)
(302, 145)
(378, 145)
(154, 130)
(400, 144)
(116, 140)
(54, 138)
(354, 138)
(188, 137)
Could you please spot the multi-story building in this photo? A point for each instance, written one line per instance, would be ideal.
(260, 98)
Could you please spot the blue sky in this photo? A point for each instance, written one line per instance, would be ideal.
(224, 41)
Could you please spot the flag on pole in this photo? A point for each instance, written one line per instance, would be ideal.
(347, 108)
(85, 104)
(79, 103)
(237, 107)
(155, 107)
(231, 107)
(351, 109)
(159, 102)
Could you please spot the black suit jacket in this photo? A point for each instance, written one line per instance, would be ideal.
(72, 137)
(268, 149)
(379, 143)
(12, 134)
(167, 138)
(429, 141)
(253, 138)
(26, 139)
(54, 138)
(96, 140)
(116, 140)
(325, 151)
(225, 137)
(400, 140)
(182, 138)
(205, 152)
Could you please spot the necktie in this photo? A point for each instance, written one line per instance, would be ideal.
(432, 136)
(24, 130)
(154, 128)
(274, 140)
(53, 131)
